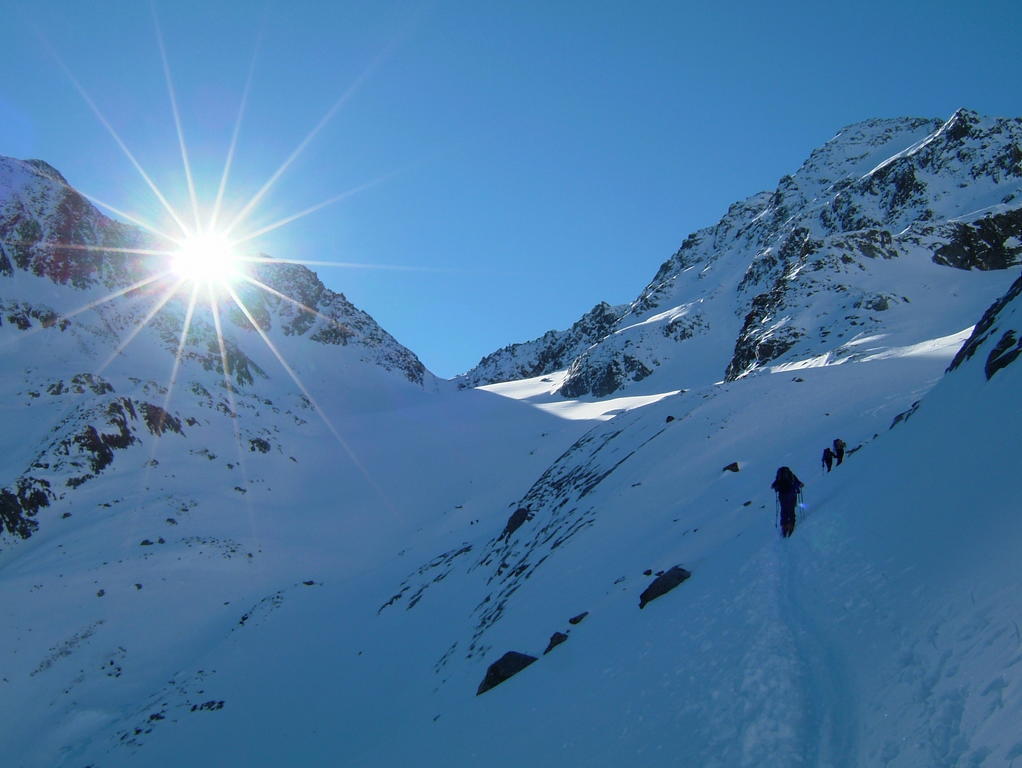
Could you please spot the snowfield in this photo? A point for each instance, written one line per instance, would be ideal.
(884, 632)
(235, 561)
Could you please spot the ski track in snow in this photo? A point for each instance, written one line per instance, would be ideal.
(830, 720)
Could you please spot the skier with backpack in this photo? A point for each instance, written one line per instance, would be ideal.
(839, 450)
(828, 458)
(788, 489)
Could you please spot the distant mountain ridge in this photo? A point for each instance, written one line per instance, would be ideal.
(552, 351)
(52, 231)
(914, 190)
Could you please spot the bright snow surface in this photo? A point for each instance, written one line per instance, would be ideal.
(885, 632)
(313, 571)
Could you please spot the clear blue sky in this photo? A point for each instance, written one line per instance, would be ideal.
(534, 157)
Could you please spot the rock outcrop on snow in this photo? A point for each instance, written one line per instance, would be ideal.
(998, 334)
(663, 584)
(555, 640)
(504, 668)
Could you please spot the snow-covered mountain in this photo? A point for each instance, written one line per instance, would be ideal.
(91, 347)
(812, 267)
(336, 559)
(553, 351)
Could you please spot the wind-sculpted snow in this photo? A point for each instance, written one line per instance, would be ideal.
(801, 270)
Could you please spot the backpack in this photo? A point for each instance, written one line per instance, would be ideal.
(786, 481)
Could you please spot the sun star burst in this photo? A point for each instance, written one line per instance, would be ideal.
(208, 258)
(203, 261)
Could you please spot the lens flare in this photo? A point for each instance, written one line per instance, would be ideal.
(206, 259)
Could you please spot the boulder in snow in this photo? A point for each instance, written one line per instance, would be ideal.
(508, 665)
(555, 640)
(517, 519)
(663, 584)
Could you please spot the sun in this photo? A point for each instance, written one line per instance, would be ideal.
(208, 259)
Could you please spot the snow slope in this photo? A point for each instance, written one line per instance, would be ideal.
(319, 570)
(883, 632)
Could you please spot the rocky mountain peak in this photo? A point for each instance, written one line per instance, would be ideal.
(553, 351)
(110, 359)
(800, 271)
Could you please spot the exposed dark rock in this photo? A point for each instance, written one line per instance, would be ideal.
(20, 504)
(1004, 353)
(878, 302)
(603, 378)
(870, 243)
(985, 326)
(732, 467)
(79, 383)
(990, 243)
(158, 420)
(686, 327)
(239, 366)
(507, 666)
(663, 584)
(758, 341)
(207, 706)
(555, 640)
(669, 419)
(578, 619)
(517, 520)
(99, 446)
(258, 444)
(905, 415)
(91, 442)
(901, 175)
(333, 333)
(21, 314)
(553, 351)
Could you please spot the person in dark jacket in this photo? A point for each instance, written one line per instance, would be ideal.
(828, 458)
(839, 450)
(787, 487)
